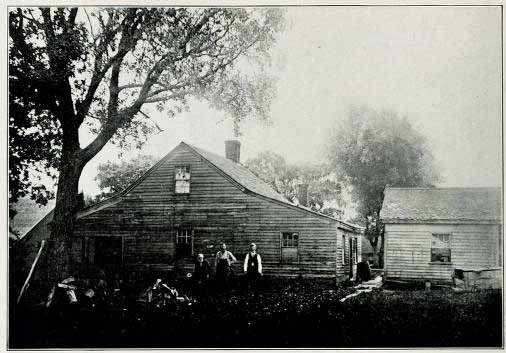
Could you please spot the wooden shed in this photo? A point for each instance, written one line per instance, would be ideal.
(190, 202)
(430, 232)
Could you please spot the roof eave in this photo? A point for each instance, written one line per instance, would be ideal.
(439, 221)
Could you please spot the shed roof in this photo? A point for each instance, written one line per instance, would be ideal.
(441, 204)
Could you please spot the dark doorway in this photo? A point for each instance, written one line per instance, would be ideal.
(108, 254)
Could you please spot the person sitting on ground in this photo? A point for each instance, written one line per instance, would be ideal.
(252, 265)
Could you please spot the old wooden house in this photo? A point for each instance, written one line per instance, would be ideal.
(430, 232)
(190, 202)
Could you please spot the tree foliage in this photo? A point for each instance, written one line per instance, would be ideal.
(371, 149)
(102, 72)
(323, 189)
(34, 136)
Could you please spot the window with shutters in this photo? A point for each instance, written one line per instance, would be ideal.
(289, 247)
(440, 248)
(182, 179)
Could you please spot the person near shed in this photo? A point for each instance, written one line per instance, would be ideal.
(252, 265)
(224, 259)
(201, 275)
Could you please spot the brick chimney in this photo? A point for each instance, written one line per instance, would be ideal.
(302, 194)
(233, 150)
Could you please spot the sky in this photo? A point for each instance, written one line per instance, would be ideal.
(439, 66)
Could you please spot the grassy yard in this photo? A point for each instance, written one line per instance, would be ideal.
(282, 314)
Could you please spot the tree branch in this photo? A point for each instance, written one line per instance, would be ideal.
(127, 41)
(89, 22)
(33, 20)
(154, 122)
(112, 106)
(132, 85)
(48, 23)
(146, 97)
(180, 94)
(72, 17)
(87, 153)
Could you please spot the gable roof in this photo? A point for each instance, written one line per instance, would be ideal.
(442, 204)
(43, 222)
(28, 214)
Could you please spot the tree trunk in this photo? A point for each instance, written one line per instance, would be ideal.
(60, 264)
(372, 236)
(374, 246)
(381, 254)
(381, 235)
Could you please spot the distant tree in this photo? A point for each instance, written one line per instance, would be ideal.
(103, 68)
(114, 177)
(323, 187)
(272, 168)
(371, 149)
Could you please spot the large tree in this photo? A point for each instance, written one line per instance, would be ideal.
(371, 149)
(324, 192)
(103, 68)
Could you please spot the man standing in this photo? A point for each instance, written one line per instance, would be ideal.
(224, 259)
(252, 265)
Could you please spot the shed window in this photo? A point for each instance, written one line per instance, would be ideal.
(184, 242)
(440, 248)
(289, 247)
(182, 179)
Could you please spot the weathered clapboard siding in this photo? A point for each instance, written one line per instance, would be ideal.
(217, 210)
(408, 249)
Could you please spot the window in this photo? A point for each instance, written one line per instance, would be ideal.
(184, 243)
(290, 239)
(182, 179)
(289, 247)
(440, 248)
